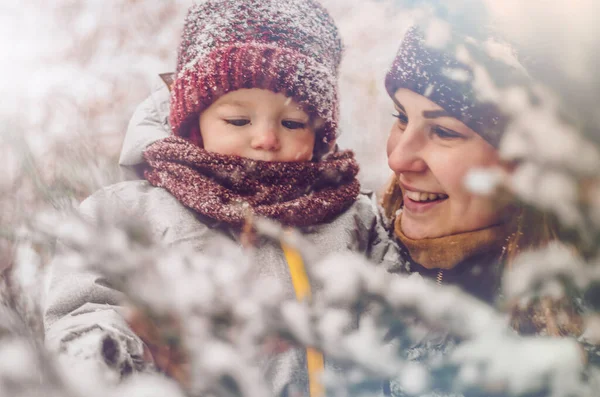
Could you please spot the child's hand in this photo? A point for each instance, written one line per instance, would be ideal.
(162, 337)
(100, 353)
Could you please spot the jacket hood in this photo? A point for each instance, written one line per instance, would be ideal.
(149, 123)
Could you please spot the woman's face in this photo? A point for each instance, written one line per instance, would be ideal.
(431, 153)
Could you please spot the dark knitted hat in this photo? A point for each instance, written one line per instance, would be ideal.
(286, 46)
(439, 76)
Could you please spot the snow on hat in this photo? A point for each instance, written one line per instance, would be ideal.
(442, 78)
(286, 46)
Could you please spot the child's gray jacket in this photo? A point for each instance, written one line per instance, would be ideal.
(81, 307)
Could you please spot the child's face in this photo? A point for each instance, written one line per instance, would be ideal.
(258, 124)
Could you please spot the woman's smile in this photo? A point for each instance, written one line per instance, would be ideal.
(419, 202)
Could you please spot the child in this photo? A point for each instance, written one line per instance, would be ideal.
(253, 110)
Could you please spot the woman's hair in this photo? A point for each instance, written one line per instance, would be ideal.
(534, 230)
(531, 229)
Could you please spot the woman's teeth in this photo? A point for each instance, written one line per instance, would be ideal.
(418, 196)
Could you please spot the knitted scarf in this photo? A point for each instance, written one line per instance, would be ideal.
(229, 188)
(448, 251)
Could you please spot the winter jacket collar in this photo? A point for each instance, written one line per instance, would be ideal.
(149, 123)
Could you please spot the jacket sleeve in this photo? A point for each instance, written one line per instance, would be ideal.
(82, 316)
(372, 234)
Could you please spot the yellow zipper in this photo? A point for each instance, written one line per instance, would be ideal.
(315, 362)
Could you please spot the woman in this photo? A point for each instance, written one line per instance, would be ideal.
(443, 130)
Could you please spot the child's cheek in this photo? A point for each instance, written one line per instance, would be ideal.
(302, 151)
(225, 144)
(302, 156)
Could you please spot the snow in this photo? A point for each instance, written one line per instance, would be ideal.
(346, 284)
(550, 190)
(484, 181)
(17, 360)
(414, 379)
(148, 386)
(521, 366)
(438, 34)
(74, 72)
(559, 262)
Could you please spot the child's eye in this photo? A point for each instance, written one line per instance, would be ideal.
(446, 133)
(293, 125)
(238, 122)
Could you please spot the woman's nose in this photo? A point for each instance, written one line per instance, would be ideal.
(405, 150)
(266, 137)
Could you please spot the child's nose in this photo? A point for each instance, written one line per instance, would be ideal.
(266, 138)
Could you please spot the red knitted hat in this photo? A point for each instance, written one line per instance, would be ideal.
(286, 46)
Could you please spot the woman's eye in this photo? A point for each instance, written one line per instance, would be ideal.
(238, 122)
(293, 125)
(402, 118)
(445, 133)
